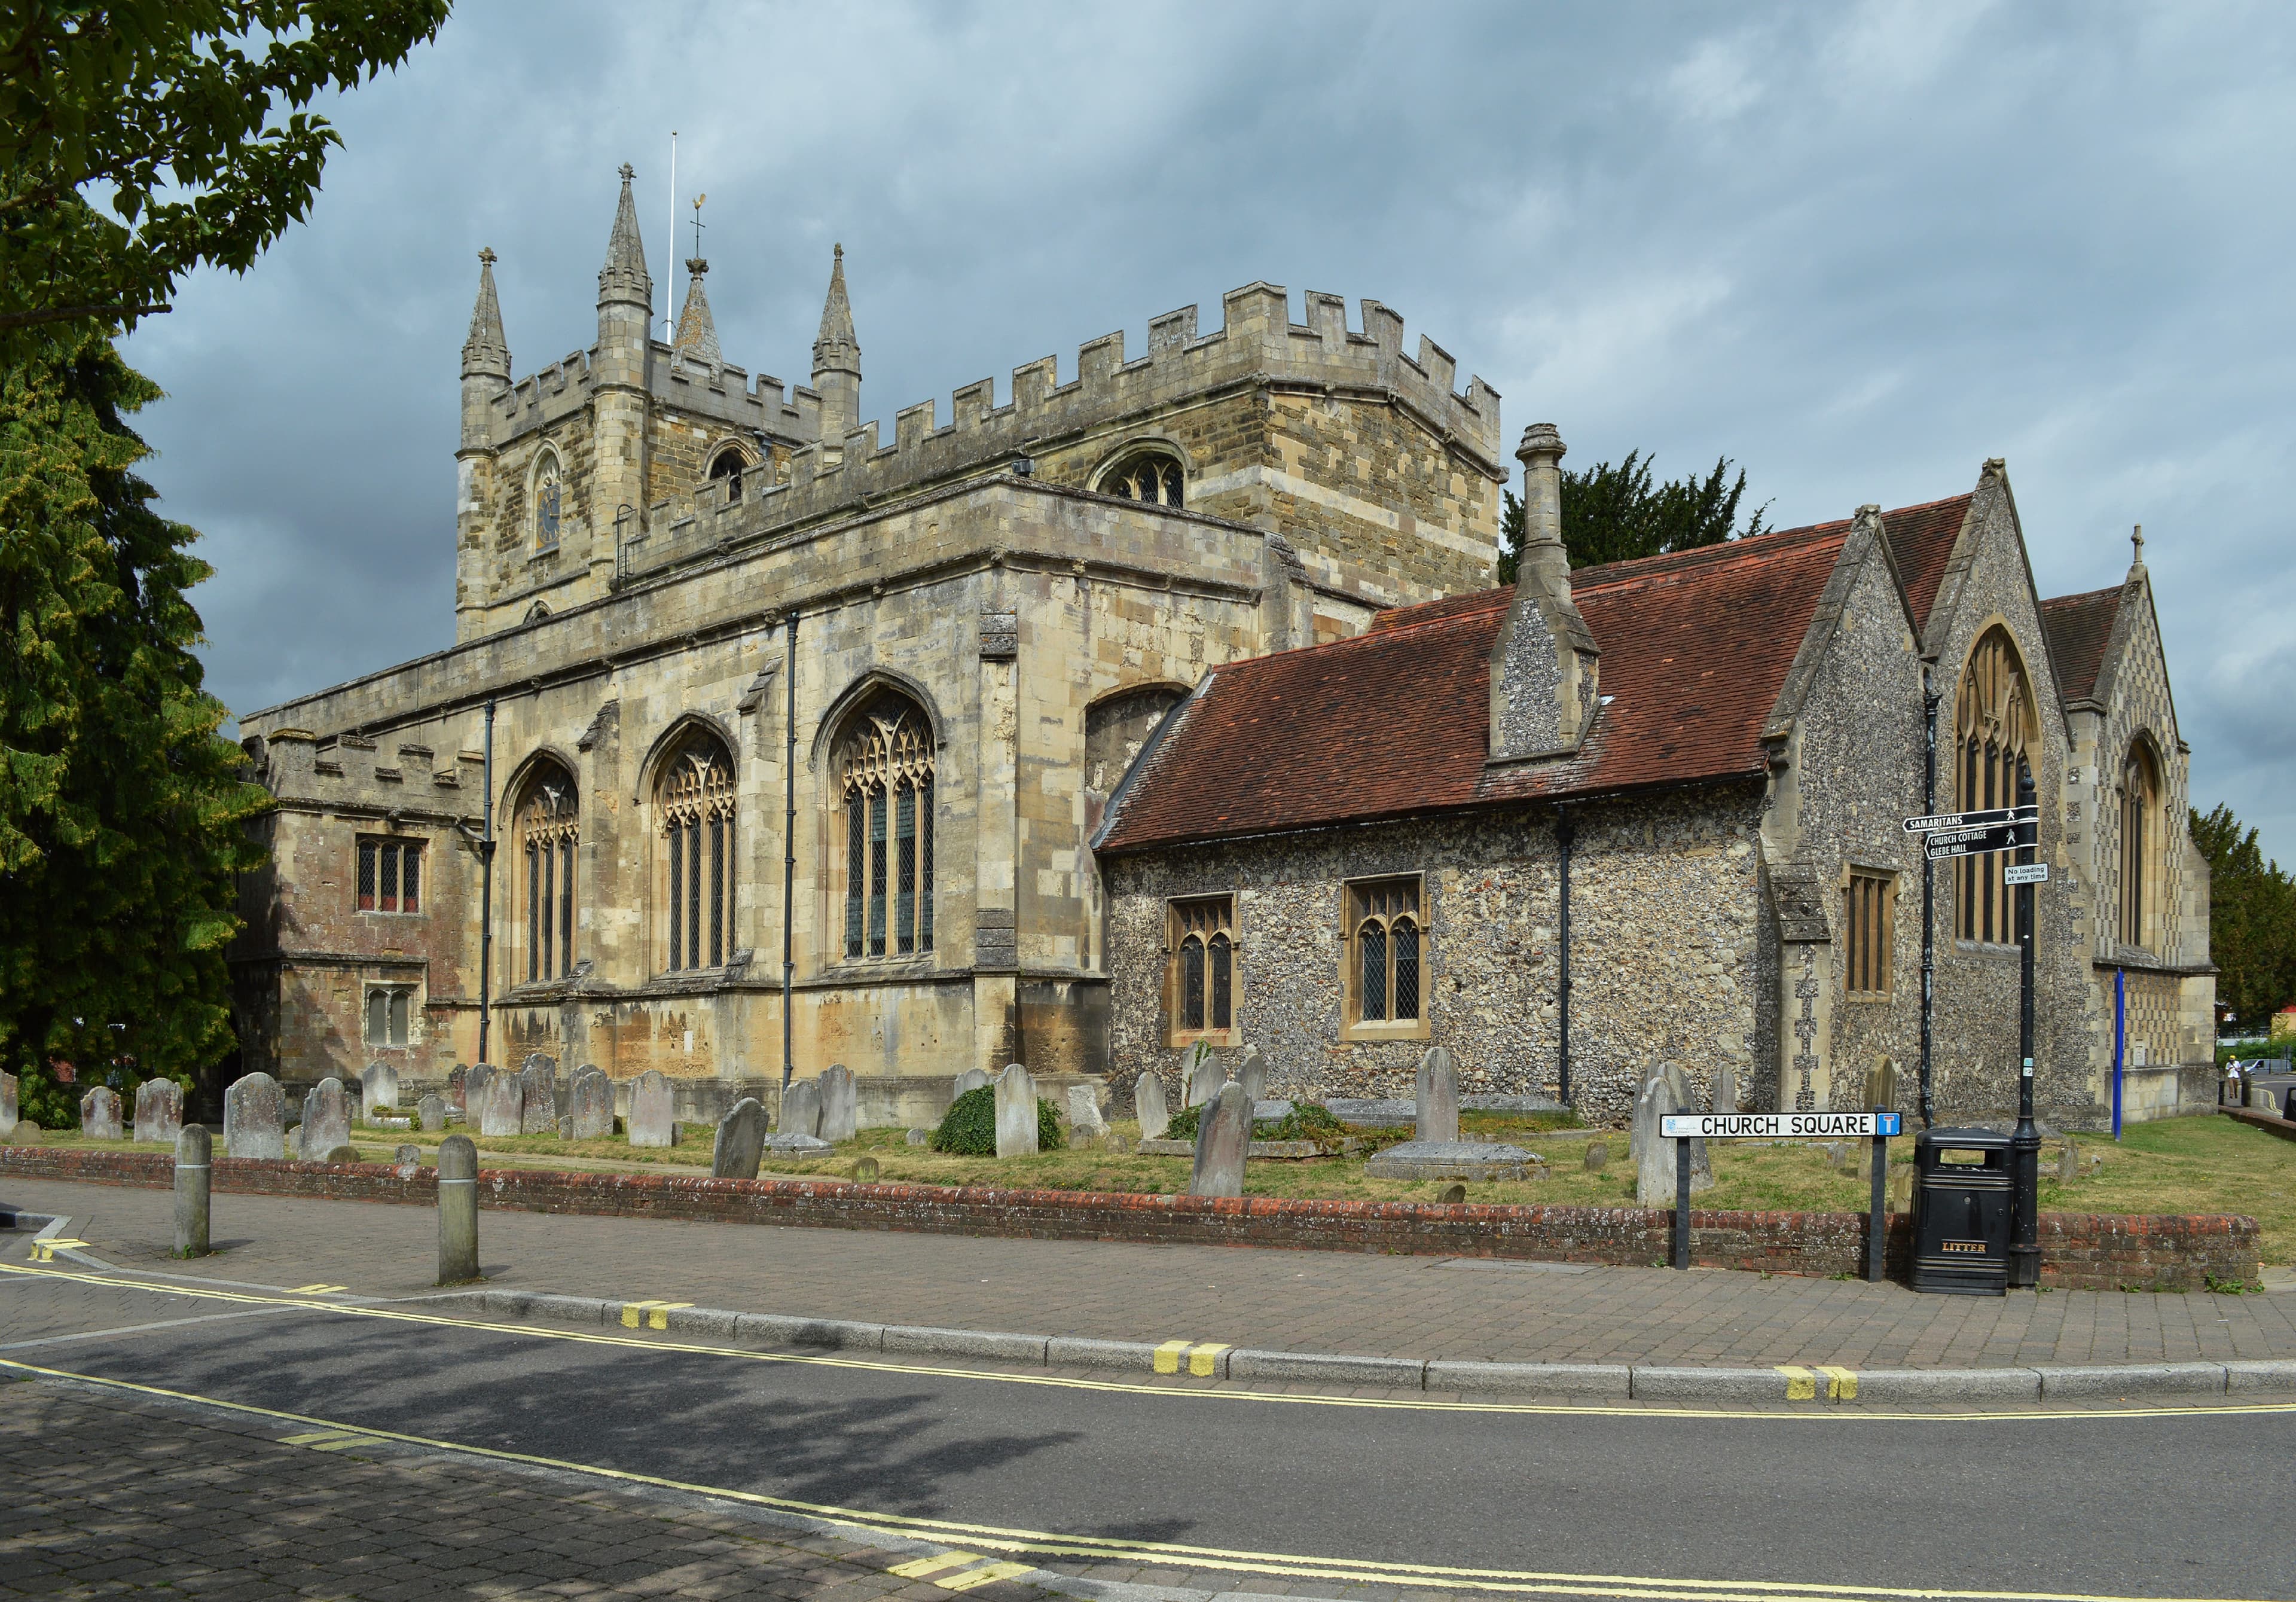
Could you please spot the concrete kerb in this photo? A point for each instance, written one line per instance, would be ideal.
(1819, 1383)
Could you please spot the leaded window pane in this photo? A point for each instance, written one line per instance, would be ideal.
(877, 873)
(549, 896)
(905, 869)
(1223, 982)
(410, 879)
(1372, 973)
(1192, 983)
(1407, 970)
(677, 898)
(856, 878)
(366, 855)
(693, 894)
(565, 907)
(716, 892)
(925, 863)
(386, 892)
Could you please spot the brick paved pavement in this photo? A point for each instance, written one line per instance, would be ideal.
(110, 1496)
(1417, 1307)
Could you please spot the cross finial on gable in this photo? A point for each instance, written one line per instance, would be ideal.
(2136, 541)
(486, 255)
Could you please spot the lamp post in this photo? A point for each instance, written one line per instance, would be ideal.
(2025, 1145)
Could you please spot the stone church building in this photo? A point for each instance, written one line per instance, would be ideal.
(745, 701)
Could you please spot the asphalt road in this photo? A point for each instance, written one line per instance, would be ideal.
(2152, 1503)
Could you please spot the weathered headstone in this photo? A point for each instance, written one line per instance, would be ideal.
(1251, 1073)
(1598, 1156)
(801, 1109)
(255, 1118)
(2069, 1161)
(1837, 1156)
(1223, 1140)
(99, 1114)
(1684, 1100)
(326, 1120)
(1880, 1087)
(7, 1101)
(589, 1103)
(867, 1170)
(378, 1087)
(1725, 1091)
(456, 1080)
(1148, 1101)
(474, 1087)
(841, 1105)
(1202, 1073)
(498, 1103)
(1016, 1112)
(1437, 1096)
(653, 1116)
(159, 1110)
(1084, 1111)
(538, 1110)
(1654, 1158)
(431, 1113)
(406, 1156)
(741, 1141)
(969, 1080)
(917, 1138)
(1454, 1194)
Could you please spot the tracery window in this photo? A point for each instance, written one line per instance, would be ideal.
(390, 876)
(885, 795)
(1153, 476)
(728, 465)
(2140, 845)
(548, 830)
(1993, 721)
(695, 799)
(1201, 976)
(1386, 952)
(549, 489)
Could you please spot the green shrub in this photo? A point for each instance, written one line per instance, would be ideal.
(970, 1128)
(1306, 1120)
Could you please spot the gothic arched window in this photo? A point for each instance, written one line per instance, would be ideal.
(695, 798)
(1153, 476)
(548, 828)
(1386, 980)
(2140, 845)
(1203, 968)
(546, 492)
(1993, 721)
(727, 465)
(885, 792)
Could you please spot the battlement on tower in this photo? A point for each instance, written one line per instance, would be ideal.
(1257, 344)
(721, 392)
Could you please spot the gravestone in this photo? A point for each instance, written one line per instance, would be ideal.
(326, 1120)
(1202, 1074)
(1701, 1165)
(1598, 1156)
(565, 1128)
(7, 1101)
(474, 1085)
(653, 1117)
(1437, 1096)
(1880, 1087)
(867, 1171)
(406, 1156)
(2069, 1161)
(1084, 1111)
(1455, 1194)
(801, 1109)
(459, 1078)
(538, 1096)
(498, 1103)
(841, 1105)
(159, 1110)
(1654, 1156)
(378, 1087)
(741, 1141)
(255, 1118)
(589, 1103)
(1837, 1156)
(99, 1114)
(431, 1113)
(969, 1080)
(1251, 1073)
(1725, 1091)
(1148, 1101)
(1223, 1140)
(1902, 1188)
(1016, 1112)
(917, 1138)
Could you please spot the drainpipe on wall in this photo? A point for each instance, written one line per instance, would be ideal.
(1929, 889)
(1565, 831)
(789, 850)
(2120, 1040)
(487, 893)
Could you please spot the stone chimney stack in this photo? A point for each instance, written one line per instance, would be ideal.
(1545, 665)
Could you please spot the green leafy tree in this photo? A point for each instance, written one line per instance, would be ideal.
(1615, 513)
(184, 122)
(2251, 922)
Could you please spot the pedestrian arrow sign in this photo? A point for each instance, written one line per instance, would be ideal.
(1982, 817)
(1972, 842)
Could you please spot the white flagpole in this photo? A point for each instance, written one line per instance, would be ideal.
(669, 281)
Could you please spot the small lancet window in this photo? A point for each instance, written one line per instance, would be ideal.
(1153, 476)
(548, 491)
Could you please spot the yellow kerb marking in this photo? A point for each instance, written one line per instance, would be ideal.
(345, 1444)
(313, 1437)
(1841, 1384)
(1801, 1384)
(318, 1290)
(44, 1251)
(981, 1576)
(656, 1313)
(917, 1568)
(1168, 1356)
(1202, 1361)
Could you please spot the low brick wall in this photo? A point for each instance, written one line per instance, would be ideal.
(2079, 1251)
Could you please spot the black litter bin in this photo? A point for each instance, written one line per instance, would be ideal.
(1961, 1212)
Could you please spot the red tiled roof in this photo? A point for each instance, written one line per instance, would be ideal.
(1695, 648)
(1921, 538)
(2080, 628)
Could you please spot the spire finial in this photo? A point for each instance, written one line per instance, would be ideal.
(624, 277)
(629, 172)
(487, 352)
(837, 348)
(486, 256)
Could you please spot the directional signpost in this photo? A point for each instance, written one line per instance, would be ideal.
(1974, 833)
(1877, 1126)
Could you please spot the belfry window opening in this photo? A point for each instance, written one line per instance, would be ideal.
(727, 465)
(1153, 476)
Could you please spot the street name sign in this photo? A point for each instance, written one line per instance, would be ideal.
(1780, 1126)
(2026, 873)
(1971, 841)
(1971, 820)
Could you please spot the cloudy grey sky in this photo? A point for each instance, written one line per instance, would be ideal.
(1857, 248)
